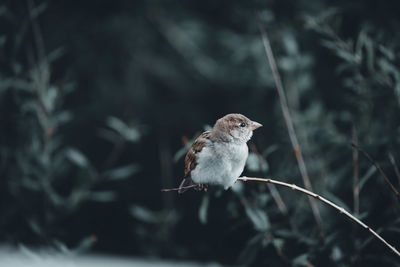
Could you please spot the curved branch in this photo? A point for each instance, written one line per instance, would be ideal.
(329, 203)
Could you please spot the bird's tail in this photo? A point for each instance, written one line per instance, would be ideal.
(186, 184)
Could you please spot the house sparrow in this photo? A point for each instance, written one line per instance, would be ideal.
(218, 156)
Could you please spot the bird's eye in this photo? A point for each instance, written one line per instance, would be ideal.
(242, 124)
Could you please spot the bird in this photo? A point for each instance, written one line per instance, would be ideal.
(218, 156)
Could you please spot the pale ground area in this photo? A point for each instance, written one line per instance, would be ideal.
(14, 257)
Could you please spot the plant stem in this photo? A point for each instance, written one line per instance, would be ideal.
(395, 191)
(289, 123)
(391, 158)
(356, 190)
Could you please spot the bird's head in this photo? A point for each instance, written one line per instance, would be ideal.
(235, 127)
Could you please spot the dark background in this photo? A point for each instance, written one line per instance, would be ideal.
(100, 99)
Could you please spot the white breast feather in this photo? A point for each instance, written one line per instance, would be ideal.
(222, 167)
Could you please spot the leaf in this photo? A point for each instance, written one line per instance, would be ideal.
(49, 98)
(55, 198)
(62, 117)
(3, 10)
(387, 52)
(76, 157)
(340, 52)
(122, 172)
(56, 54)
(36, 11)
(278, 243)
(182, 152)
(28, 252)
(19, 84)
(369, 46)
(258, 217)
(250, 251)
(110, 135)
(369, 239)
(75, 198)
(35, 227)
(366, 177)
(336, 253)
(306, 239)
(85, 244)
(30, 184)
(331, 238)
(129, 133)
(256, 163)
(269, 150)
(61, 246)
(301, 260)
(104, 196)
(362, 215)
(143, 214)
(3, 40)
(203, 210)
(238, 187)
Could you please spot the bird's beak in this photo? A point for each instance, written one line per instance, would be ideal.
(254, 125)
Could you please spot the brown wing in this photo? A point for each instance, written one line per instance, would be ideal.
(191, 156)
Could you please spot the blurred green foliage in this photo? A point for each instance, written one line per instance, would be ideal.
(99, 103)
(45, 178)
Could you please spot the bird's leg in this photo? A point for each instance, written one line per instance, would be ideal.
(199, 187)
(205, 187)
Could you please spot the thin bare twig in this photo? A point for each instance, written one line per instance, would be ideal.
(379, 169)
(272, 189)
(326, 201)
(37, 33)
(396, 169)
(289, 123)
(356, 189)
(177, 188)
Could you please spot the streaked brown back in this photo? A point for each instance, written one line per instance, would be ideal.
(191, 156)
